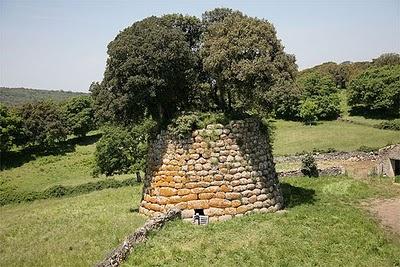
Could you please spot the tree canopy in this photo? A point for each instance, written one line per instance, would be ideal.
(149, 72)
(377, 91)
(245, 60)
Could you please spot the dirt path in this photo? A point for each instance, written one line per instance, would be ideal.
(387, 211)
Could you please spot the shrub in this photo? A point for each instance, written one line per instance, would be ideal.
(123, 149)
(309, 166)
(309, 111)
(184, 124)
(389, 125)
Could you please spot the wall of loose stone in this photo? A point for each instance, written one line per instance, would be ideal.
(226, 170)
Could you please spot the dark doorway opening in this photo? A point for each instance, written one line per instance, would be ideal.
(396, 167)
(199, 211)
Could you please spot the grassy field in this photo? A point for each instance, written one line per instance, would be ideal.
(76, 231)
(71, 168)
(324, 226)
(295, 137)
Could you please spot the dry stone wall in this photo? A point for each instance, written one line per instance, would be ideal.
(225, 170)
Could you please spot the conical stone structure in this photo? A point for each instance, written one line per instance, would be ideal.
(223, 170)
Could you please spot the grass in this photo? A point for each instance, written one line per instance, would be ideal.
(68, 169)
(323, 227)
(76, 231)
(295, 137)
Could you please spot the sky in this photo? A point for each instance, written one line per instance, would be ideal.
(62, 45)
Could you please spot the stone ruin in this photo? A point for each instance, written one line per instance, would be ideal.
(389, 161)
(222, 171)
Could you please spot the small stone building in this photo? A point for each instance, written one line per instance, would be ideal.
(221, 171)
(389, 163)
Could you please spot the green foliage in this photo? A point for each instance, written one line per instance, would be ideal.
(10, 129)
(321, 97)
(123, 149)
(286, 99)
(386, 59)
(19, 96)
(149, 72)
(389, 125)
(243, 65)
(43, 124)
(377, 91)
(185, 124)
(309, 111)
(57, 191)
(309, 166)
(79, 115)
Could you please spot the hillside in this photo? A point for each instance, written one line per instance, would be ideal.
(16, 96)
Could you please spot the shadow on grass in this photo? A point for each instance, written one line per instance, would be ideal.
(13, 159)
(294, 196)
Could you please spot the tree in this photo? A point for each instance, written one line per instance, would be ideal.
(43, 123)
(217, 15)
(309, 111)
(390, 59)
(244, 59)
(149, 73)
(79, 115)
(319, 89)
(286, 99)
(377, 91)
(11, 131)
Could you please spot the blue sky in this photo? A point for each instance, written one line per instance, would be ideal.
(62, 44)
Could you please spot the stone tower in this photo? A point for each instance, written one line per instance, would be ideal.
(222, 171)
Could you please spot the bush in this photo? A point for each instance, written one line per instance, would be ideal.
(123, 149)
(309, 112)
(389, 125)
(309, 166)
(184, 124)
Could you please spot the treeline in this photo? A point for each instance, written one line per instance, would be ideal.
(373, 89)
(17, 96)
(45, 124)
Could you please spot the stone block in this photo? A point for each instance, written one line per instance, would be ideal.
(167, 191)
(203, 196)
(232, 195)
(187, 214)
(189, 197)
(198, 204)
(183, 191)
(219, 195)
(219, 203)
(214, 212)
(236, 203)
(230, 211)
